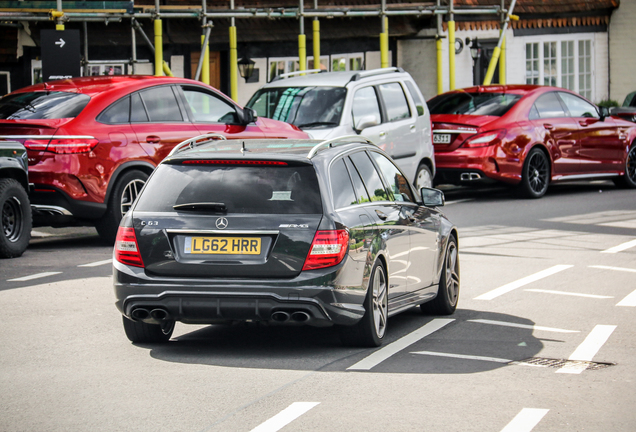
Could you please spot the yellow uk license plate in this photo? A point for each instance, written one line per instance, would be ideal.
(223, 245)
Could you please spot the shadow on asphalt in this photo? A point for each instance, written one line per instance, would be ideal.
(319, 349)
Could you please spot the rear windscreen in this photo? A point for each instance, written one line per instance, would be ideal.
(242, 189)
(42, 105)
(488, 104)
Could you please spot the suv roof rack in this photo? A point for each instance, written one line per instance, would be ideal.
(374, 72)
(345, 139)
(196, 141)
(291, 74)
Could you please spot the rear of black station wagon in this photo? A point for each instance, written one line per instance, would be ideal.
(240, 231)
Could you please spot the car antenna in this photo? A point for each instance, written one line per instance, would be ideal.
(243, 149)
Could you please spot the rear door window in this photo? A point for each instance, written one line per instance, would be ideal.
(206, 108)
(161, 105)
(242, 189)
(137, 110)
(341, 187)
(42, 105)
(370, 176)
(397, 108)
(549, 106)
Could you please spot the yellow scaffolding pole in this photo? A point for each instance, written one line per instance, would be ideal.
(502, 63)
(205, 66)
(497, 51)
(451, 54)
(440, 66)
(233, 64)
(316, 41)
(158, 48)
(384, 43)
(302, 52)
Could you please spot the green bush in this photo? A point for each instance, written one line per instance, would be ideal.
(608, 103)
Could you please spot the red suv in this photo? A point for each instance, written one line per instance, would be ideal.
(92, 142)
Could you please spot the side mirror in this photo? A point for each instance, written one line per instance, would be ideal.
(432, 197)
(365, 122)
(604, 112)
(246, 116)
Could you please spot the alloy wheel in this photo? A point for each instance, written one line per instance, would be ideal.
(452, 274)
(538, 172)
(424, 179)
(630, 167)
(380, 301)
(129, 194)
(12, 219)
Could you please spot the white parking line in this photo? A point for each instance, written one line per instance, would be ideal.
(521, 282)
(458, 201)
(97, 263)
(285, 417)
(621, 247)
(33, 276)
(523, 326)
(623, 269)
(569, 293)
(384, 353)
(630, 300)
(588, 349)
(464, 357)
(526, 420)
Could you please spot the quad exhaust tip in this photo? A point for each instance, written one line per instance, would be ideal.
(470, 176)
(297, 316)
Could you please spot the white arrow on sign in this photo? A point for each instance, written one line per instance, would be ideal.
(60, 43)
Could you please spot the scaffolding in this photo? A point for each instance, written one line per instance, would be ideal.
(13, 13)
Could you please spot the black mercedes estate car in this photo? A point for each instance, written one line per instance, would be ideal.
(284, 232)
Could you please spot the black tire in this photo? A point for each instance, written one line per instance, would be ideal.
(449, 283)
(371, 329)
(629, 179)
(535, 176)
(423, 177)
(15, 211)
(140, 332)
(122, 197)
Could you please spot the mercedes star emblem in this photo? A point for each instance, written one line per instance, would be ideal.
(221, 223)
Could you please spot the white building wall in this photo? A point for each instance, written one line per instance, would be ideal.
(622, 51)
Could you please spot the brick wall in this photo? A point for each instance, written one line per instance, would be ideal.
(622, 51)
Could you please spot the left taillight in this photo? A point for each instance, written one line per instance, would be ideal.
(126, 247)
(62, 145)
(328, 249)
(485, 139)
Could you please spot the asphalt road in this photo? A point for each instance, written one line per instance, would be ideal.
(543, 339)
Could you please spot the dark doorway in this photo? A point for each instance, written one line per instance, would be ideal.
(480, 67)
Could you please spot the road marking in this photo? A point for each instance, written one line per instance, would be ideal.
(588, 349)
(521, 282)
(385, 352)
(523, 326)
(461, 356)
(97, 263)
(526, 420)
(569, 293)
(285, 417)
(630, 300)
(34, 276)
(621, 247)
(614, 268)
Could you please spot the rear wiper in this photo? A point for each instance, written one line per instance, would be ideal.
(213, 206)
(318, 124)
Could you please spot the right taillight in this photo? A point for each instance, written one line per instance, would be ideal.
(485, 139)
(328, 249)
(126, 248)
(69, 145)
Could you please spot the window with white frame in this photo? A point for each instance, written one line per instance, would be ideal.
(532, 63)
(585, 68)
(567, 65)
(550, 63)
(566, 62)
(347, 62)
(334, 63)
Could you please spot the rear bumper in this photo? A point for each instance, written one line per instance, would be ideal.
(477, 165)
(312, 298)
(53, 207)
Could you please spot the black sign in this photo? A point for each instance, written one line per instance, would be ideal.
(60, 54)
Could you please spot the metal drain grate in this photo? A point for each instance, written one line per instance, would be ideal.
(561, 363)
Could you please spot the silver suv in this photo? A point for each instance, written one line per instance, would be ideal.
(383, 105)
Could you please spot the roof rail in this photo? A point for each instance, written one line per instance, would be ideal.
(345, 139)
(291, 74)
(374, 72)
(196, 141)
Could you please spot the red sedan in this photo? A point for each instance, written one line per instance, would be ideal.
(528, 136)
(92, 142)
